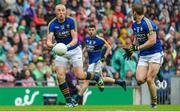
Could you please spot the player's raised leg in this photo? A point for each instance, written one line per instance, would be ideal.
(88, 76)
(76, 60)
(151, 75)
(141, 74)
(121, 83)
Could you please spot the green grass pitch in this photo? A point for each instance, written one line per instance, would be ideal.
(92, 108)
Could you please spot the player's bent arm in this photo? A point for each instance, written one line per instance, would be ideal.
(50, 40)
(107, 50)
(74, 38)
(151, 41)
(134, 40)
(84, 50)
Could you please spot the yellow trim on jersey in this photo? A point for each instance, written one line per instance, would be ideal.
(75, 23)
(149, 24)
(102, 39)
(52, 33)
(50, 23)
(72, 30)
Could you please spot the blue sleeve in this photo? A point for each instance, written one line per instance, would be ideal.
(73, 25)
(149, 26)
(51, 27)
(103, 41)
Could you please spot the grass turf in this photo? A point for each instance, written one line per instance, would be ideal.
(92, 108)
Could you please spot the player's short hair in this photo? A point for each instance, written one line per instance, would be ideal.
(138, 8)
(91, 26)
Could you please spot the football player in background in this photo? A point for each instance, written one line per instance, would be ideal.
(95, 46)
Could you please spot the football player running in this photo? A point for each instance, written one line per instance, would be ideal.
(95, 46)
(64, 29)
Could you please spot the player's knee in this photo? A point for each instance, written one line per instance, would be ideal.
(79, 74)
(140, 80)
(61, 77)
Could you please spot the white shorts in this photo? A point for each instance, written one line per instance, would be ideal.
(153, 58)
(73, 56)
(95, 67)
